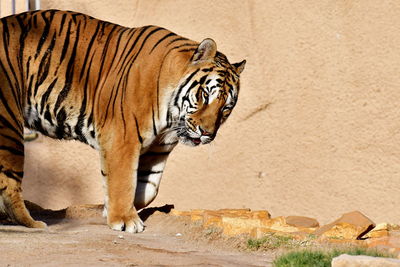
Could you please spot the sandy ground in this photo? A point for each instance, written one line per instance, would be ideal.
(87, 241)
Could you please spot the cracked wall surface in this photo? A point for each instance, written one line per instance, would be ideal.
(316, 131)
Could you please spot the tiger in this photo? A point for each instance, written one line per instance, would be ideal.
(132, 94)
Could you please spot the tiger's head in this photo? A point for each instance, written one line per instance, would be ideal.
(207, 94)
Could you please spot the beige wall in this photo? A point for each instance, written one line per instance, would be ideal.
(316, 131)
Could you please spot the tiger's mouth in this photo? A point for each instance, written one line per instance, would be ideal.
(196, 141)
(186, 139)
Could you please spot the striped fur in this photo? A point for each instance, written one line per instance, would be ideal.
(131, 93)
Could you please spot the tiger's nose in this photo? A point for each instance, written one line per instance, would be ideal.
(204, 132)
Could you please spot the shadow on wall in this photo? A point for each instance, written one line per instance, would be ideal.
(56, 178)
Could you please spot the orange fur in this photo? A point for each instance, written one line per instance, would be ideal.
(123, 91)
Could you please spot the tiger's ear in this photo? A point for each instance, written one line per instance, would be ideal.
(206, 50)
(239, 67)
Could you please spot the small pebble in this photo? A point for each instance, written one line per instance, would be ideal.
(115, 241)
(121, 237)
(178, 234)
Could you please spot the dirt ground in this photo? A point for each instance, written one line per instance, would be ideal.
(77, 238)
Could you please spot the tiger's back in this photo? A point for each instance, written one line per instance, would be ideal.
(131, 93)
(70, 58)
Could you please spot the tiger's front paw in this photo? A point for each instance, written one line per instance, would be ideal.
(131, 222)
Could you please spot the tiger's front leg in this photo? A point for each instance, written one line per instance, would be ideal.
(150, 170)
(119, 167)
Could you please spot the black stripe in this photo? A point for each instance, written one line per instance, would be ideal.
(27, 67)
(203, 79)
(154, 122)
(144, 41)
(123, 66)
(103, 173)
(102, 60)
(177, 39)
(35, 20)
(138, 131)
(61, 118)
(44, 65)
(12, 150)
(188, 79)
(121, 106)
(187, 50)
(47, 115)
(18, 143)
(69, 75)
(17, 87)
(9, 109)
(24, 32)
(89, 49)
(6, 33)
(29, 90)
(113, 96)
(66, 42)
(159, 72)
(11, 174)
(6, 123)
(127, 41)
(132, 60)
(44, 34)
(207, 69)
(45, 96)
(162, 39)
(62, 24)
(82, 112)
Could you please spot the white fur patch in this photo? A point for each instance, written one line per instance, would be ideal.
(105, 190)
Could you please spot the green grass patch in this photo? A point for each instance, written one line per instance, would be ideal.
(319, 258)
(272, 241)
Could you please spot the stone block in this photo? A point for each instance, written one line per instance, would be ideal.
(180, 213)
(300, 221)
(233, 225)
(212, 219)
(260, 214)
(380, 230)
(352, 225)
(364, 261)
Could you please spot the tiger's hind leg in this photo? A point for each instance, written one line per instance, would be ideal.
(12, 203)
(12, 162)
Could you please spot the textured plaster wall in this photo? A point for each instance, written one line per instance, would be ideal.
(316, 131)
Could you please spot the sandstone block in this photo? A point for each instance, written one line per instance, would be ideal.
(234, 210)
(196, 217)
(180, 213)
(212, 219)
(300, 221)
(380, 230)
(363, 261)
(260, 214)
(279, 224)
(233, 225)
(352, 225)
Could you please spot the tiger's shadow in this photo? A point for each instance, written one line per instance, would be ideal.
(90, 212)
